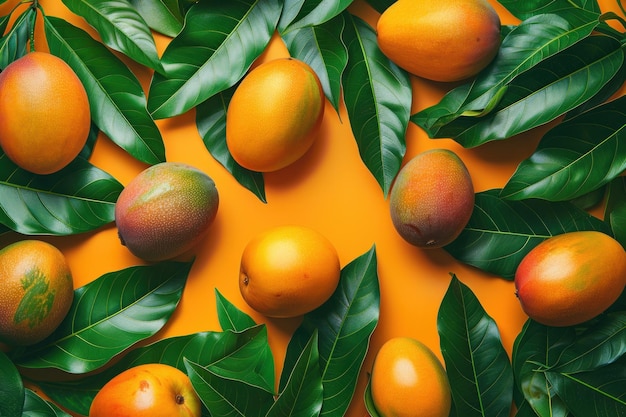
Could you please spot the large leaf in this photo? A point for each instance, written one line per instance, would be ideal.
(121, 27)
(218, 44)
(116, 98)
(14, 43)
(378, 99)
(345, 324)
(230, 317)
(526, 9)
(163, 16)
(77, 199)
(478, 366)
(11, 389)
(380, 5)
(211, 124)
(109, 315)
(306, 13)
(575, 157)
(500, 232)
(322, 48)
(615, 209)
(35, 406)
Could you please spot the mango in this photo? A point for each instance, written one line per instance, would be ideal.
(571, 278)
(432, 199)
(443, 40)
(166, 210)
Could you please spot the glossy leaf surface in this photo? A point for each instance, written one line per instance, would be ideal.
(77, 199)
(13, 44)
(163, 16)
(615, 209)
(230, 317)
(35, 406)
(500, 232)
(109, 315)
(526, 9)
(307, 13)
(11, 389)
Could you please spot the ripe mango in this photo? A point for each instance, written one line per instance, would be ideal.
(432, 199)
(166, 210)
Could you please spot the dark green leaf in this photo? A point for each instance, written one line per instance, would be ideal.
(477, 364)
(14, 44)
(230, 317)
(525, 9)
(225, 396)
(203, 348)
(120, 27)
(380, 5)
(35, 406)
(345, 324)
(322, 48)
(304, 13)
(109, 315)
(11, 388)
(77, 199)
(575, 157)
(164, 16)
(116, 98)
(211, 124)
(378, 99)
(369, 401)
(302, 395)
(215, 49)
(591, 199)
(500, 232)
(615, 209)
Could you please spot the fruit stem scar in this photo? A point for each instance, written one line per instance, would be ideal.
(180, 399)
(246, 280)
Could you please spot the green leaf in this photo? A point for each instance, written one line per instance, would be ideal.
(345, 324)
(211, 124)
(120, 27)
(35, 406)
(225, 396)
(501, 232)
(163, 16)
(575, 157)
(380, 6)
(14, 44)
(615, 209)
(116, 98)
(203, 348)
(378, 99)
(322, 48)
(230, 317)
(525, 9)
(11, 388)
(369, 401)
(109, 315)
(218, 44)
(305, 13)
(77, 199)
(478, 367)
(302, 395)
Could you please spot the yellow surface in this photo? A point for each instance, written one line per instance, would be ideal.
(331, 190)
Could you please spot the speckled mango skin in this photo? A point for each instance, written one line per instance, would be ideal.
(166, 210)
(432, 199)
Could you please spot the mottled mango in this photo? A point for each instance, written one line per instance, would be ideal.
(166, 210)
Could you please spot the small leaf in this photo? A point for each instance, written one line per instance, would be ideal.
(11, 388)
(369, 401)
(120, 27)
(35, 406)
(109, 315)
(14, 44)
(218, 44)
(77, 199)
(311, 13)
(615, 209)
(116, 98)
(345, 324)
(164, 16)
(378, 99)
(478, 367)
(501, 232)
(230, 317)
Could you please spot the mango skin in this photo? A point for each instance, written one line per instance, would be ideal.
(571, 278)
(166, 210)
(432, 199)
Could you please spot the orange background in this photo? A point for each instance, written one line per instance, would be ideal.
(330, 190)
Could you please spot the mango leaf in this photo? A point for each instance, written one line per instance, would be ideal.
(525, 9)
(378, 99)
(230, 317)
(478, 367)
(120, 27)
(322, 48)
(109, 315)
(303, 13)
(211, 125)
(202, 348)
(615, 209)
(11, 389)
(14, 44)
(218, 44)
(77, 199)
(526, 45)
(345, 324)
(380, 5)
(225, 396)
(163, 16)
(575, 157)
(302, 395)
(501, 232)
(35, 406)
(116, 98)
